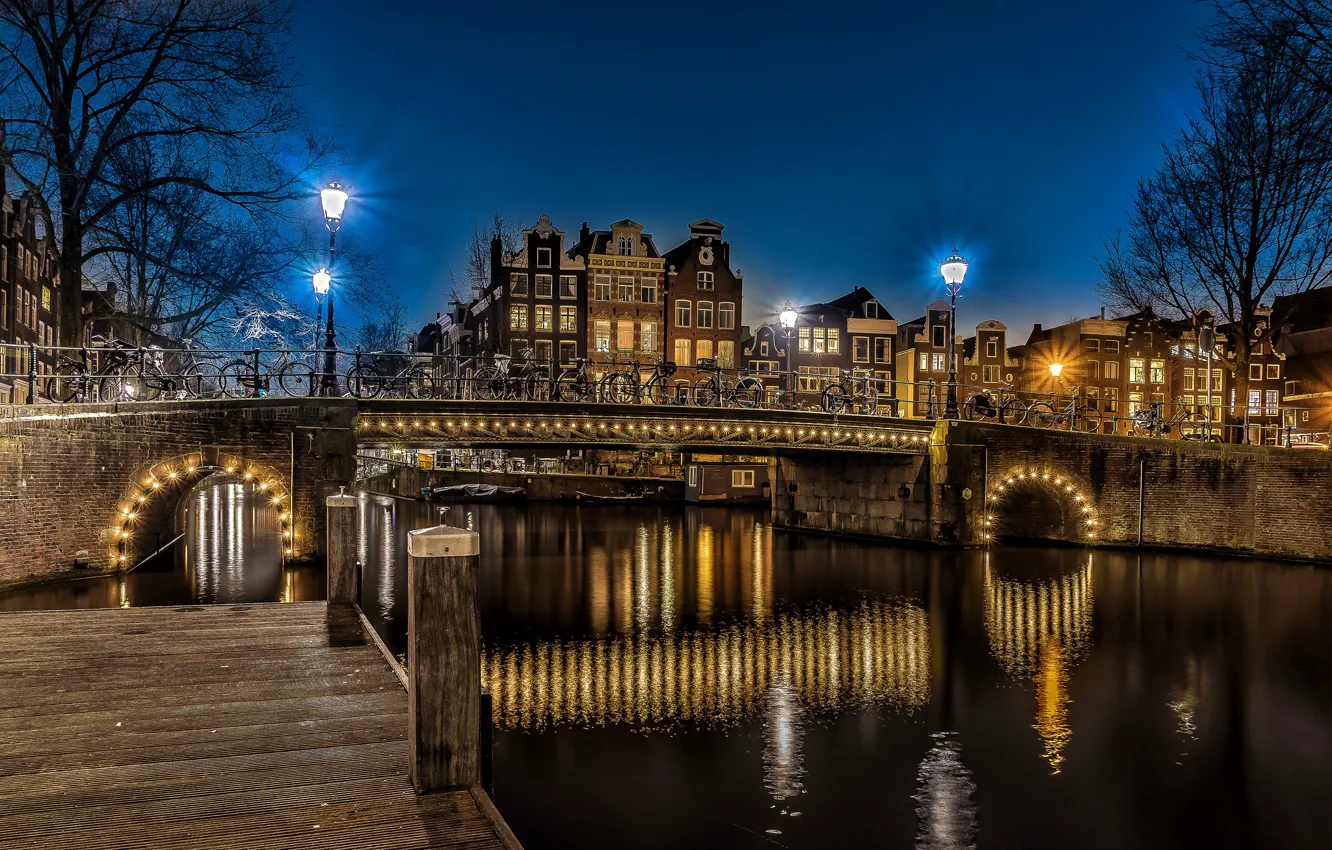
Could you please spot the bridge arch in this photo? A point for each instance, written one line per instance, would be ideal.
(154, 492)
(1040, 502)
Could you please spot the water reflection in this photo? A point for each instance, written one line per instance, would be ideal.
(876, 653)
(944, 805)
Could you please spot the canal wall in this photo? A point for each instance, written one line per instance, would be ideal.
(68, 476)
(407, 481)
(982, 482)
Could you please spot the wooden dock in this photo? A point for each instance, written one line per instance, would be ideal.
(273, 726)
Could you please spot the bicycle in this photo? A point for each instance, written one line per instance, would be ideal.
(1078, 417)
(367, 379)
(1006, 409)
(494, 381)
(124, 374)
(573, 384)
(863, 394)
(626, 386)
(712, 389)
(1190, 424)
(238, 378)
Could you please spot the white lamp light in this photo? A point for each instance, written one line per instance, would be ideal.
(954, 269)
(334, 199)
(321, 281)
(787, 317)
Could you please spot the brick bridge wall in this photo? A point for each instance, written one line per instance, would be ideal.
(1248, 499)
(64, 473)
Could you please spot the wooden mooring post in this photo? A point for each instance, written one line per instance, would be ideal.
(340, 544)
(443, 659)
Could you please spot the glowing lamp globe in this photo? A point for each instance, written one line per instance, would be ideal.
(954, 269)
(1056, 369)
(787, 317)
(321, 281)
(334, 199)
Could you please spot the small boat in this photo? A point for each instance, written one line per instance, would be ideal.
(473, 493)
(609, 500)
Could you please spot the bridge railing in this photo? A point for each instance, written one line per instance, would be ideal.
(111, 371)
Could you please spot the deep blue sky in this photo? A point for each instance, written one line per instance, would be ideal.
(840, 144)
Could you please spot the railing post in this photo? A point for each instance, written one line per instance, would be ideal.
(340, 546)
(443, 659)
(32, 373)
(254, 369)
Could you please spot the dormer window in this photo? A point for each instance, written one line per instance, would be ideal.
(625, 246)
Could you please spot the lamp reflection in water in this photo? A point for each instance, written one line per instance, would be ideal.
(784, 733)
(944, 806)
(1038, 630)
(876, 653)
(1184, 703)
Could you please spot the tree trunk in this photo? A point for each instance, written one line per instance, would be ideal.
(70, 291)
(1243, 350)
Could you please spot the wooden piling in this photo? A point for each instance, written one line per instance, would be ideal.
(343, 577)
(443, 659)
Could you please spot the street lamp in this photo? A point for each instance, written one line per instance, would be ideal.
(1056, 369)
(321, 281)
(954, 269)
(333, 199)
(787, 318)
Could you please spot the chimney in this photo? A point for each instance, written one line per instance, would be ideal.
(584, 233)
(1036, 328)
(1102, 311)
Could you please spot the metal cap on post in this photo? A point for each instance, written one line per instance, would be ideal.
(443, 659)
(343, 584)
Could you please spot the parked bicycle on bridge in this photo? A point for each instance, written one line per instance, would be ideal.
(1188, 424)
(712, 389)
(851, 392)
(1004, 407)
(1074, 416)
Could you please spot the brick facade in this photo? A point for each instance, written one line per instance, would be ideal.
(703, 301)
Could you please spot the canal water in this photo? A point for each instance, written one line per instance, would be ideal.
(675, 676)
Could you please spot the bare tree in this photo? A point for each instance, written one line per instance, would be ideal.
(476, 258)
(387, 329)
(1245, 30)
(83, 82)
(1239, 210)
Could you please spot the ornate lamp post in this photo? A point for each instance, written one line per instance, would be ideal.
(321, 281)
(1056, 369)
(333, 199)
(954, 269)
(787, 318)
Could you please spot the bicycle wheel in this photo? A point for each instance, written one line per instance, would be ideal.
(1013, 412)
(869, 404)
(537, 387)
(1041, 415)
(834, 398)
(1087, 420)
(748, 392)
(570, 387)
(204, 380)
(419, 382)
(657, 391)
(297, 378)
(69, 383)
(237, 379)
(363, 381)
(976, 408)
(1192, 427)
(619, 388)
(487, 383)
(706, 392)
(1144, 424)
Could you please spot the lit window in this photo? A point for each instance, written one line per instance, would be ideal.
(543, 320)
(924, 362)
(683, 350)
(820, 340)
(1158, 372)
(625, 245)
(803, 334)
(703, 348)
(834, 341)
(1272, 403)
(726, 352)
(1137, 371)
(602, 289)
(937, 362)
(569, 318)
(1188, 379)
(648, 333)
(1255, 402)
(991, 375)
(1111, 370)
(603, 335)
(517, 318)
(624, 335)
(626, 292)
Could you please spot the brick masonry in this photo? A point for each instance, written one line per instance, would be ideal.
(64, 474)
(1253, 500)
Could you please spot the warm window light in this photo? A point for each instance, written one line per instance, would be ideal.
(1056, 369)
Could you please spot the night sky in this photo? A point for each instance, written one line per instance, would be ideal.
(840, 144)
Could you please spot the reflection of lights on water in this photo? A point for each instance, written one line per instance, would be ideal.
(760, 575)
(944, 806)
(1038, 630)
(124, 593)
(1052, 703)
(705, 573)
(234, 534)
(1185, 703)
(667, 578)
(719, 675)
(643, 578)
(784, 734)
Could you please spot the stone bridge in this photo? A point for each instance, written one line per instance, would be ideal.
(102, 483)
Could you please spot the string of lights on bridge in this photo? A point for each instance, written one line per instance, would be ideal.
(1061, 485)
(721, 432)
(166, 476)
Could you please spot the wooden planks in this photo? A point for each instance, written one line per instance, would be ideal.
(221, 726)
